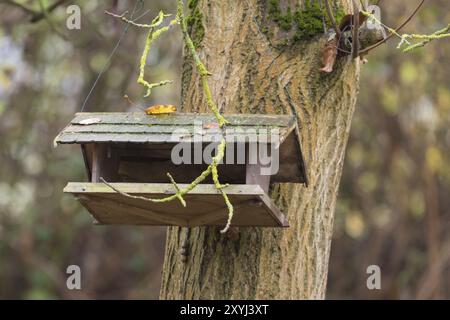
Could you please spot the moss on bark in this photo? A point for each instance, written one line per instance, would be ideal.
(307, 21)
(195, 23)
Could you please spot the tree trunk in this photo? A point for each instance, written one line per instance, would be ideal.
(256, 71)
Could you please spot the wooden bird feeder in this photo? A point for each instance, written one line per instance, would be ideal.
(133, 153)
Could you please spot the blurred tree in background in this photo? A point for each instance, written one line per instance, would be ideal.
(393, 206)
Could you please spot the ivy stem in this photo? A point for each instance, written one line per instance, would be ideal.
(204, 73)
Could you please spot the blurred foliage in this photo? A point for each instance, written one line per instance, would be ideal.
(393, 207)
(44, 78)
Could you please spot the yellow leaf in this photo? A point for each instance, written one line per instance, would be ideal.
(161, 109)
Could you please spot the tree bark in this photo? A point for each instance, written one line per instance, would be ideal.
(252, 75)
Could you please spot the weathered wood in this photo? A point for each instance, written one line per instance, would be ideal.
(156, 169)
(87, 158)
(183, 118)
(97, 160)
(205, 205)
(104, 163)
(113, 210)
(150, 163)
(253, 173)
(167, 134)
(291, 160)
(213, 216)
(159, 129)
(101, 137)
(158, 188)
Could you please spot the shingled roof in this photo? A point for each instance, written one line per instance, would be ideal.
(142, 128)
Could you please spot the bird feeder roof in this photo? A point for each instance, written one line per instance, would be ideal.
(132, 127)
(140, 129)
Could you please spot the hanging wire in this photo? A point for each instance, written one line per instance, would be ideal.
(111, 55)
(143, 15)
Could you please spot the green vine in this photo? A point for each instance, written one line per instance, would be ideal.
(153, 34)
(404, 38)
(212, 170)
(440, 34)
(151, 37)
(200, 66)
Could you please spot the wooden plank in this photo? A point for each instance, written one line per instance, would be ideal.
(274, 211)
(105, 137)
(105, 213)
(159, 188)
(118, 204)
(292, 165)
(96, 163)
(182, 118)
(105, 163)
(87, 158)
(126, 128)
(252, 206)
(253, 173)
(175, 130)
(213, 217)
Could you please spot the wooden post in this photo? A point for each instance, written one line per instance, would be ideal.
(105, 163)
(253, 171)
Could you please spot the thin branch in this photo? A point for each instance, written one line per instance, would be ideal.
(127, 194)
(153, 34)
(151, 37)
(230, 211)
(440, 34)
(183, 203)
(37, 16)
(156, 22)
(332, 19)
(366, 50)
(355, 42)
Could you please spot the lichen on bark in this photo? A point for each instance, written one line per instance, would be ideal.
(195, 23)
